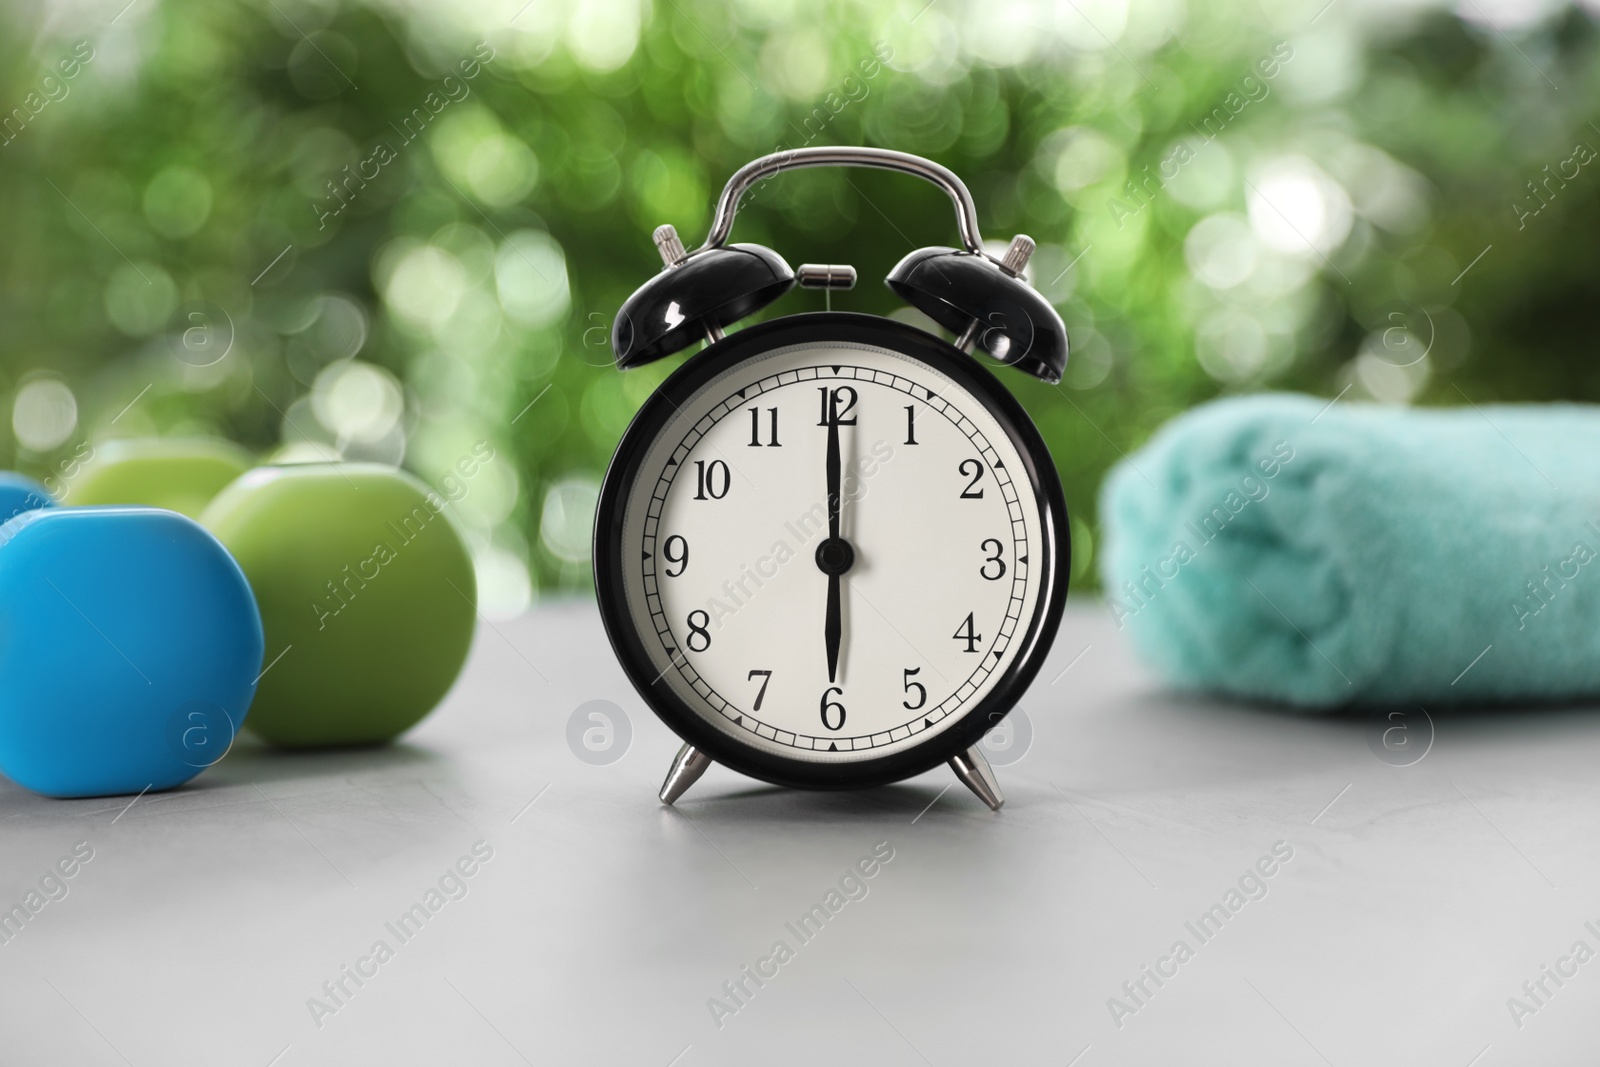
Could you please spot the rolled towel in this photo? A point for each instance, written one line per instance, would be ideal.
(1280, 548)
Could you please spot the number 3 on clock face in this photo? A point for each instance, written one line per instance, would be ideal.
(832, 552)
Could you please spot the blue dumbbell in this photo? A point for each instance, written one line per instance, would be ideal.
(130, 646)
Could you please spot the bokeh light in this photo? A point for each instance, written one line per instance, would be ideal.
(1297, 209)
(567, 520)
(356, 401)
(44, 414)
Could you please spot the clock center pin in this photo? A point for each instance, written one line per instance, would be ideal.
(835, 555)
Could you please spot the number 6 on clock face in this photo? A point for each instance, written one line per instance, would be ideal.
(830, 549)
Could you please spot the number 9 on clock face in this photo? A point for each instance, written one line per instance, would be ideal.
(831, 552)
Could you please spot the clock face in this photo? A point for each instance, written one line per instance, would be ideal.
(830, 552)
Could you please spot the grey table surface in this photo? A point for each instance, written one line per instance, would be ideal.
(603, 927)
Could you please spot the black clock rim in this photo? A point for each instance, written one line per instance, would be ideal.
(624, 469)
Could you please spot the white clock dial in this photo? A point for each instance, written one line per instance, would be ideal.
(720, 537)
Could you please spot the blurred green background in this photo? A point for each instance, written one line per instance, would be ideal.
(393, 231)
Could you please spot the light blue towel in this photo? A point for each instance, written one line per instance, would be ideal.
(1278, 548)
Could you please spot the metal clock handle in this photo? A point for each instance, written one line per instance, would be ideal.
(828, 156)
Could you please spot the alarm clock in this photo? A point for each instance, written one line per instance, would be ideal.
(831, 551)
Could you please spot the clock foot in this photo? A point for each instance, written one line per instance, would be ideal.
(687, 767)
(975, 772)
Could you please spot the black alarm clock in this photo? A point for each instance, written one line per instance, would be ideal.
(831, 551)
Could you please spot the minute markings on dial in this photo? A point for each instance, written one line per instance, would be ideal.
(743, 717)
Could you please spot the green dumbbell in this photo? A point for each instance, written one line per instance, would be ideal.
(367, 598)
(180, 474)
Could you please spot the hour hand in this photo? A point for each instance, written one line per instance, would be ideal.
(835, 556)
(832, 628)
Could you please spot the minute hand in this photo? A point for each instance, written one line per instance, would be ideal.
(833, 470)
